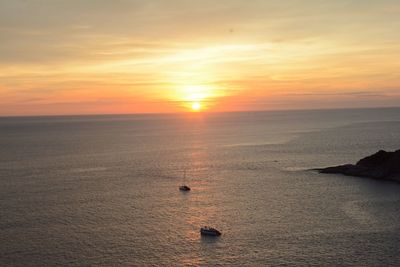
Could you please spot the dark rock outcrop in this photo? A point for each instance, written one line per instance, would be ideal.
(381, 165)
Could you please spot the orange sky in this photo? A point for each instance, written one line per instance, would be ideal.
(90, 57)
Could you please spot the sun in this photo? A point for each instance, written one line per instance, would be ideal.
(195, 98)
(196, 106)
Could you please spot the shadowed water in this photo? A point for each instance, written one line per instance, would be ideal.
(103, 190)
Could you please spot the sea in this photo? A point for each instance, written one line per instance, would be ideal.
(103, 190)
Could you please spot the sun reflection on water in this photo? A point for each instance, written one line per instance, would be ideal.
(199, 207)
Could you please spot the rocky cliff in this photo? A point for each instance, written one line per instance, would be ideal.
(381, 165)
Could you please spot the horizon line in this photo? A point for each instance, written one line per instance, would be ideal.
(196, 113)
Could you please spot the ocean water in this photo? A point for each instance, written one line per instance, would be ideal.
(103, 190)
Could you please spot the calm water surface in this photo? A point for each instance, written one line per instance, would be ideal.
(103, 190)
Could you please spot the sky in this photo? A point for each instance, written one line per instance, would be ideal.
(154, 56)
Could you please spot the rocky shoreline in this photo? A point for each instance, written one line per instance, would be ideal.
(382, 165)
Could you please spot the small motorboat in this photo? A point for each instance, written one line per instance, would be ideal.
(184, 188)
(209, 231)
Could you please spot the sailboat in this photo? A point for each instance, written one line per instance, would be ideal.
(184, 187)
(209, 231)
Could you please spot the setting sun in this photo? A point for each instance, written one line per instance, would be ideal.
(196, 106)
(197, 97)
